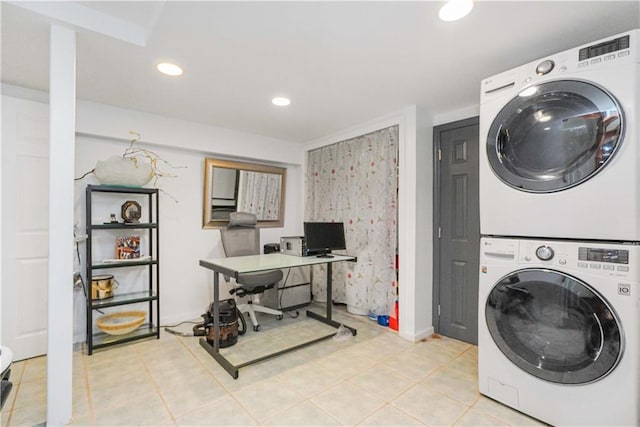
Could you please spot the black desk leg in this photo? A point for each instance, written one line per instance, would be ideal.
(216, 312)
(329, 291)
(215, 349)
(226, 365)
(327, 319)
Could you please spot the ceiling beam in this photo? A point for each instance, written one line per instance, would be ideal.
(81, 17)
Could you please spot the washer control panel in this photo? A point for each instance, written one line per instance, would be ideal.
(594, 258)
(606, 259)
(615, 256)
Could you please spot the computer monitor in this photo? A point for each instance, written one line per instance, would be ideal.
(323, 237)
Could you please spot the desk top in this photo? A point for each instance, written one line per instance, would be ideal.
(251, 263)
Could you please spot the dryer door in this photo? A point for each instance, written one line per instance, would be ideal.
(554, 136)
(554, 326)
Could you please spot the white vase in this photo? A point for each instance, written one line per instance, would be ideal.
(123, 171)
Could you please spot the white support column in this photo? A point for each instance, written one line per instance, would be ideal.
(62, 113)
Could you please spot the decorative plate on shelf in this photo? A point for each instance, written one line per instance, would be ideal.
(131, 212)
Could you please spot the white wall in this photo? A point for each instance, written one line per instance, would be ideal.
(185, 286)
(455, 115)
(423, 153)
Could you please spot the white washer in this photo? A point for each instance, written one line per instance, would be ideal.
(560, 155)
(558, 335)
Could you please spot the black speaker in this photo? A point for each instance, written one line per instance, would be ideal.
(270, 248)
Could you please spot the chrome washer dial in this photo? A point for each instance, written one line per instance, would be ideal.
(545, 67)
(545, 253)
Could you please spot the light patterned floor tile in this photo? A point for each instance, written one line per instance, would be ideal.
(309, 381)
(471, 352)
(437, 353)
(344, 367)
(81, 407)
(143, 409)
(383, 382)
(266, 398)
(33, 393)
(107, 373)
(449, 343)
(223, 412)
(429, 406)
(413, 366)
(118, 355)
(17, 369)
(80, 421)
(28, 416)
(197, 393)
(474, 418)
(34, 370)
(302, 414)
(465, 364)
(348, 403)
(379, 348)
(120, 393)
(181, 373)
(456, 384)
(390, 416)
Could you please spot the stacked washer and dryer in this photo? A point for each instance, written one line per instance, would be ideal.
(559, 286)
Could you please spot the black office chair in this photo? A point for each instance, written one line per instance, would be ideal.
(242, 237)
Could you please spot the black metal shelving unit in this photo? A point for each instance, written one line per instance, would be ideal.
(150, 293)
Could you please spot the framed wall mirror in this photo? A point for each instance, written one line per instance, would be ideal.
(242, 187)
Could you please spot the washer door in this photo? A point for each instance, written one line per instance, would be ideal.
(554, 326)
(554, 136)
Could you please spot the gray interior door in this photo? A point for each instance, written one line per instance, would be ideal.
(457, 223)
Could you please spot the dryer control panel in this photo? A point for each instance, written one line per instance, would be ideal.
(604, 48)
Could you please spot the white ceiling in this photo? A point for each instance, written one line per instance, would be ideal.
(341, 63)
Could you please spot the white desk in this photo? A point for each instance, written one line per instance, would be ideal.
(248, 264)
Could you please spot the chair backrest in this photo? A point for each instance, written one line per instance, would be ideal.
(241, 236)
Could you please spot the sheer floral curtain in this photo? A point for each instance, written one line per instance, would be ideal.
(259, 193)
(355, 182)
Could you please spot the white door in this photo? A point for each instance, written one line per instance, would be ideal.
(25, 218)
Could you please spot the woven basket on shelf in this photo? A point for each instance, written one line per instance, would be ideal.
(121, 323)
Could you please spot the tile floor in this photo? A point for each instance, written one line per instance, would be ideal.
(374, 378)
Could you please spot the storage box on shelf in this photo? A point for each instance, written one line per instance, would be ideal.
(123, 241)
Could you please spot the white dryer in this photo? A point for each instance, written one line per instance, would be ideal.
(560, 155)
(558, 335)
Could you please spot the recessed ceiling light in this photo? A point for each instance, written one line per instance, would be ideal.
(169, 69)
(455, 9)
(281, 101)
